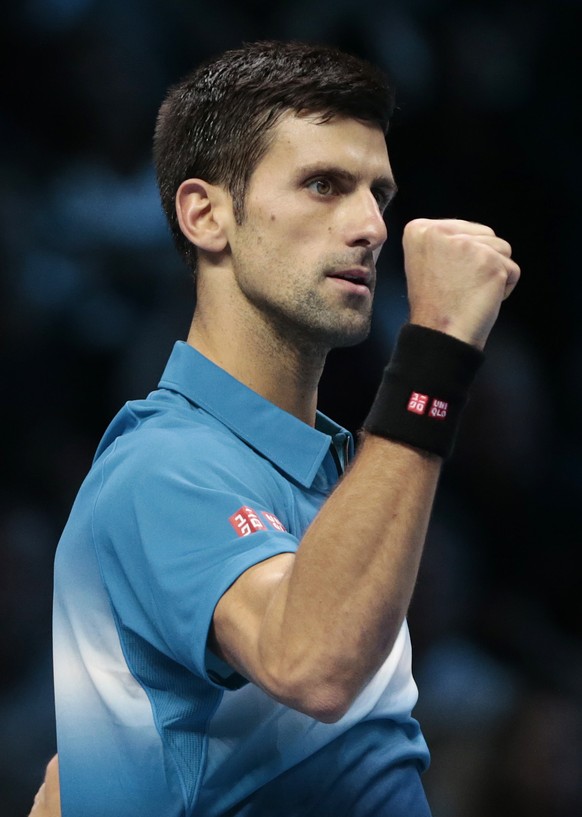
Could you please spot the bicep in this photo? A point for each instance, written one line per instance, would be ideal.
(240, 614)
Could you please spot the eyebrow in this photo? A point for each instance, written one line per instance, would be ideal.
(385, 183)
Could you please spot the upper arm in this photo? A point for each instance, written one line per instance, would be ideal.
(240, 613)
(250, 632)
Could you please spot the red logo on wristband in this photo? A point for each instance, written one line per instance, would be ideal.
(438, 409)
(417, 403)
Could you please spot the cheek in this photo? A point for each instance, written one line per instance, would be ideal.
(290, 232)
(301, 237)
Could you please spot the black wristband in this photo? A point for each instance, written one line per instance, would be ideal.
(424, 389)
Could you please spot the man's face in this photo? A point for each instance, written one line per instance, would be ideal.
(304, 258)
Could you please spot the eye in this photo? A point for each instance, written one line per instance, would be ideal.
(382, 198)
(321, 186)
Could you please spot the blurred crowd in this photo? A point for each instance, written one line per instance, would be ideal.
(93, 295)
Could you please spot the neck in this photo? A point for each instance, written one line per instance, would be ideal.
(285, 373)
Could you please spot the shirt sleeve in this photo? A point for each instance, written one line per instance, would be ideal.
(174, 526)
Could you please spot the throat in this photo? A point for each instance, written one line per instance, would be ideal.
(290, 380)
(284, 373)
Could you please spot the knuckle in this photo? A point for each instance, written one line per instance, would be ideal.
(463, 242)
(416, 226)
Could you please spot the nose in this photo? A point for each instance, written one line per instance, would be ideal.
(366, 226)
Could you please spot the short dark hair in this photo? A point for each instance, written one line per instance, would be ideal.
(215, 123)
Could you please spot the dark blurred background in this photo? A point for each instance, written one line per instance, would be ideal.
(93, 295)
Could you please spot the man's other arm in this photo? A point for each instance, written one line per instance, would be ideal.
(47, 802)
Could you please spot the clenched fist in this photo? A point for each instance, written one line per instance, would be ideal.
(458, 273)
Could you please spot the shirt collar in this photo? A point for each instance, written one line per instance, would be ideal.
(293, 446)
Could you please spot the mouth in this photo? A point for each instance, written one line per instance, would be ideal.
(357, 279)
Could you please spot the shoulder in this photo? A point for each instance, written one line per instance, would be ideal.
(157, 443)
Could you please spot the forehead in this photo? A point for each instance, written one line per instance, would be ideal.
(299, 140)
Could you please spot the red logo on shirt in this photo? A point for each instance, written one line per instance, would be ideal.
(246, 521)
(272, 520)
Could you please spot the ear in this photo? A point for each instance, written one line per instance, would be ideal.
(203, 211)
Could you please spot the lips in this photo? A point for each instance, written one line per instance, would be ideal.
(360, 277)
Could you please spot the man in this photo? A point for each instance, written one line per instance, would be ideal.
(230, 628)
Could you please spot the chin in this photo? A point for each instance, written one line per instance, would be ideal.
(348, 335)
(352, 339)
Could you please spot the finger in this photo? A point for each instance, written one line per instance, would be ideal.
(455, 226)
(513, 276)
(447, 226)
(498, 244)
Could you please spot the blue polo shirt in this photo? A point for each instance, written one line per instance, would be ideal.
(188, 489)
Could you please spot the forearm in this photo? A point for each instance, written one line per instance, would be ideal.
(336, 616)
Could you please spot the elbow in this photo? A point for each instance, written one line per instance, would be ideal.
(322, 704)
(327, 709)
(320, 683)
(321, 699)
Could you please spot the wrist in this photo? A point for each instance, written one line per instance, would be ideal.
(424, 389)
